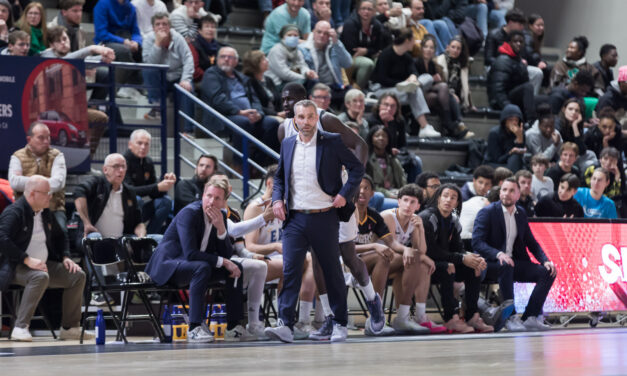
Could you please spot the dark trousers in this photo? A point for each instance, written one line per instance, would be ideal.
(198, 275)
(523, 271)
(320, 232)
(462, 274)
(522, 96)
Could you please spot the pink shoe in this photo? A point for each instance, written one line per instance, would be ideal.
(433, 327)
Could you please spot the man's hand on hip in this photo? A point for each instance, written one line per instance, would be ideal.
(279, 210)
(339, 201)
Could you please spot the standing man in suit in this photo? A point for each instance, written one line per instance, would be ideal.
(309, 183)
(502, 234)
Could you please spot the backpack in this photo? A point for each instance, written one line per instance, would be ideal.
(472, 35)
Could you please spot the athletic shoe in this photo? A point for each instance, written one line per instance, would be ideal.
(534, 323)
(258, 331)
(477, 323)
(386, 331)
(408, 326)
(21, 335)
(302, 330)
(97, 299)
(502, 314)
(199, 334)
(339, 333)
(407, 87)
(375, 307)
(515, 324)
(239, 334)
(325, 331)
(433, 327)
(281, 332)
(153, 114)
(429, 132)
(457, 325)
(129, 93)
(75, 333)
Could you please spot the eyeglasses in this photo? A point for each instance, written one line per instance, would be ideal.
(227, 57)
(117, 166)
(45, 193)
(433, 186)
(323, 97)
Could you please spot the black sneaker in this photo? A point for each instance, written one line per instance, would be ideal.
(153, 114)
(97, 299)
(325, 331)
(377, 318)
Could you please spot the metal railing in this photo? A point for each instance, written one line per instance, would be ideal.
(248, 140)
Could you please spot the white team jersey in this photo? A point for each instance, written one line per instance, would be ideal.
(401, 236)
(271, 232)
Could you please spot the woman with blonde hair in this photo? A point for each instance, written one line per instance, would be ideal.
(33, 22)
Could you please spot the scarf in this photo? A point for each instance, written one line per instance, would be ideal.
(574, 63)
(454, 74)
(210, 48)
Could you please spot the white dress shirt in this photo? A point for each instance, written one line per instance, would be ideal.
(205, 239)
(304, 186)
(511, 231)
(37, 247)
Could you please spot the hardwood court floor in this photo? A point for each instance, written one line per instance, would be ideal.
(559, 352)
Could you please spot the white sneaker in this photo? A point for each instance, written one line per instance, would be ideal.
(429, 132)
(239, 334)
(281, 332)
(302, 330)
(340, 332)
(129, 93)
(407, 87)
(21, 335)
(199, 334)
(257, 329)
(75, 333)
(534, 323)
(515, 324)
(408, 326)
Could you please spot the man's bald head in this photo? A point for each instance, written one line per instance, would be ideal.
(37, 192)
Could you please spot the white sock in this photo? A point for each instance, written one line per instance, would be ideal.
(421, 311)
(403, 311)
(368, 291)
(253, 312)
(304, 314)
(319, 312)
(326, 307)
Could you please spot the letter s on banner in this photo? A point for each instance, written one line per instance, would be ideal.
(614, 273)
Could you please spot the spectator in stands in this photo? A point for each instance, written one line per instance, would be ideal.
(607, 133)
(481, 182)
(468, 214)
(609, 159)
(153, 200)
(479, 12)
(396, 72)
(387, 112)
(500, 174)
(205, 47)
(429, 181)
(363, 37)
(417, 13)
(19, 43)
(437, 28)
(506, 142)
(286, 61)
(452, 262)
(254, 65)
(321, 96)
(386, 170)
(354, 100)
(70, 16)
(6, 22)
(573, 62)
(534, 37)
(145, 9)
(385, 13)
(438, 95)
(526, 201)
(38, 158)
(568, 155)
(561, 203)
(115, 26)
(290, 13)
(609, 59)
(493, 238)
(594, 203)
(185, 19)
(321, 11)
(578, 88)
(60, 47)
(33, 22)
(190, 190)
(570, 124)
(515, 20)
(165, 46)
(228, 91)
(616, 94)
(542, 136)
(455, 71)
(325, 54)
(540, 184)
(39, 255)
(508, 80)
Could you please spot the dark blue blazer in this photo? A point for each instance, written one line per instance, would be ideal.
(488, 235)
(181, 243)
(331, 155)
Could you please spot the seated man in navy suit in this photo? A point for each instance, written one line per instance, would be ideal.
(501, 234)
(308, 181)
(194, 251)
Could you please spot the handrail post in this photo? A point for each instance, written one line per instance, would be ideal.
(113, 110)
(177, 137)
(164, 121)
(245, 172)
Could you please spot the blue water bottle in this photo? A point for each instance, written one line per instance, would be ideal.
(167, 325)
(100, 328)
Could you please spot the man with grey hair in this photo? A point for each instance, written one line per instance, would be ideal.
(39, 254)
(152, 196)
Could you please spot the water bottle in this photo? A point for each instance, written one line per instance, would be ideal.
(222, 322)
(167, 325)
(213, 320)
(100, 328)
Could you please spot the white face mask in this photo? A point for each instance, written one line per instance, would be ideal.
(291, 41)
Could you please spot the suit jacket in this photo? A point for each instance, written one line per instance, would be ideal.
(488, 236)
(16, 229)
(331, 155)
(181, 243)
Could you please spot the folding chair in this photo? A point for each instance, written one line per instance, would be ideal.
(269, 292)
